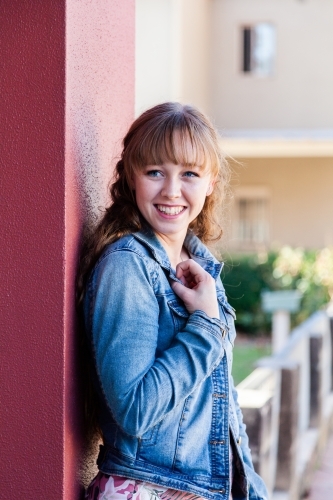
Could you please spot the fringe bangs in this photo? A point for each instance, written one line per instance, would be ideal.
(177, 139)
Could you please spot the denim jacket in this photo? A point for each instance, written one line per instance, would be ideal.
(168, 408)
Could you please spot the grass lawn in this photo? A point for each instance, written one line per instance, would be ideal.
(245, 355)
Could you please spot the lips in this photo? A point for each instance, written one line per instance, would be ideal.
(170, 210)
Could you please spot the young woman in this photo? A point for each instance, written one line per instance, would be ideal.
(159, 324)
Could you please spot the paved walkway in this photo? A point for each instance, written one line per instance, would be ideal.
(322, 482)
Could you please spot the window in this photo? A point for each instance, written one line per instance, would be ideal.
(259, 47)
(251, 221)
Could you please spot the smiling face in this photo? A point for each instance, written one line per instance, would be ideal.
(171, 196)
(178, 136)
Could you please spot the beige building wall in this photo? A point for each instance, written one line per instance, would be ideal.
(299, 94)
(190, 51)
(157, 70)
(300, 200)
(196, 48)
(172, 52)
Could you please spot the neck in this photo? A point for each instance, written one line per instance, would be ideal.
(174, 249)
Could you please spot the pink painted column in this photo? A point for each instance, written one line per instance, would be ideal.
(67, 97)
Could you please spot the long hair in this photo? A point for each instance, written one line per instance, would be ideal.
(161, 134)
(151, 140)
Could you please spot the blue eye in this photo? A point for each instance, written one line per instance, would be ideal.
(190, 174)
(154, 173)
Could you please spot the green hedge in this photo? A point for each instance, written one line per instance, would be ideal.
(246, 276)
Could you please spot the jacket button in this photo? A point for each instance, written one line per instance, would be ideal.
(223, 332)
(239, 440)
(219, 395)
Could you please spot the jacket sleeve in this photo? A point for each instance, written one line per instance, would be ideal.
(257, 487)
(122, 316)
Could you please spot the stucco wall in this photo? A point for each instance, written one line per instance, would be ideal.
(99, 108)
(64, 111)
(298, 95)
(300, 203)
(31, 247)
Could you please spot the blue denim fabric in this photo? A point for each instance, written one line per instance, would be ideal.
(168, 407)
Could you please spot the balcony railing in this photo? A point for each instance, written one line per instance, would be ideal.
(287, 403)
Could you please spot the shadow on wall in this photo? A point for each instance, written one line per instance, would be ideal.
(86, 155)
(91, 183)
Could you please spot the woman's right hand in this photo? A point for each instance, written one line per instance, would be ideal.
(198, 290)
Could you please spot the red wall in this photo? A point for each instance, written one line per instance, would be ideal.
(52, 117)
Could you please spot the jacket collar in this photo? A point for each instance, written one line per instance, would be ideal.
(197, 250)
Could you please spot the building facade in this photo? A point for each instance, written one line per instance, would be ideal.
(261, 70)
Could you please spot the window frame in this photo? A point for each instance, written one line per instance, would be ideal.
(251, 194)
(247, 65)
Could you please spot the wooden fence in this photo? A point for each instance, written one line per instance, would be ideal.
(287, 403)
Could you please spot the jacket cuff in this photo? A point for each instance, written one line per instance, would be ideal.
(213, 324)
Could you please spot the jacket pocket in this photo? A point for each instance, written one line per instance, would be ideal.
(179, 314)
(125, 443)
(149, 438)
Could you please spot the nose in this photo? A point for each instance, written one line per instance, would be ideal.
(171, 187)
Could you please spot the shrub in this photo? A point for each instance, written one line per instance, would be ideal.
(246, 276)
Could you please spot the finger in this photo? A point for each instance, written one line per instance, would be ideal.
(180, 290)
(191, 270)
(183, 280)
(189, 281)
(184, 275)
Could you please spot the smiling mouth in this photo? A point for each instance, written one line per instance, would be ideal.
(170, 210)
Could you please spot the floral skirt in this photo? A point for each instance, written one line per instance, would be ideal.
(105, 487)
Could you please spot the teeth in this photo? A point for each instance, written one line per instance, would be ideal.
(170, 210)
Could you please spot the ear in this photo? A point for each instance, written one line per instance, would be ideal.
(211, 187)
